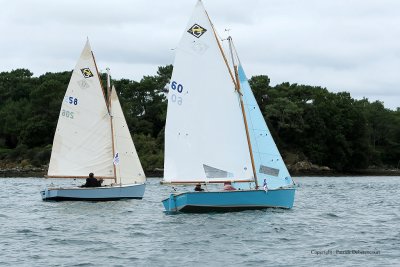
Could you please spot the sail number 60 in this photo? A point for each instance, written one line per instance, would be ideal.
(177, 87)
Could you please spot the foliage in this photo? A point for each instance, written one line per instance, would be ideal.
(330, 129)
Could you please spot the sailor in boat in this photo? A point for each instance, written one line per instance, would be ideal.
(198, 188)
(229, 187)
(92, 181)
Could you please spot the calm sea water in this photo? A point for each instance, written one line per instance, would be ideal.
(336, 221)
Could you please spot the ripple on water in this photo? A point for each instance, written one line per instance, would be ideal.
(25, 231)
(329, 213)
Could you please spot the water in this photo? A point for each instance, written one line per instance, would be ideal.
(331, 216)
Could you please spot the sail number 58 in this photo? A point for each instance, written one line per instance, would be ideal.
(71, 100)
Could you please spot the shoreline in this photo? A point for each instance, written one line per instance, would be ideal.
(41, 172)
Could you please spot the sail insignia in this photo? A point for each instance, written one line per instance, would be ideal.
(196, 30)
(199, 48)
(83, 84)
(87, 73)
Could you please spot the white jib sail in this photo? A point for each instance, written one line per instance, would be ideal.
(126, 160)
(205, 137)
(82, 141)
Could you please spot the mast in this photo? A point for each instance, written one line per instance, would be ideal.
(109, 110)
(98, 75)
(111, 120)
(108, 86)
(235, 67)
(236, 82)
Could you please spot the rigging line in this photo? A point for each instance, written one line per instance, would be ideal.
(108, 86)
(236, 53)
(98, 76)
(247, 130)
(250, 119)
(258, 150)
(113, 140)
(221, 49)
(244, 115)
(113, 150)
(233, 65)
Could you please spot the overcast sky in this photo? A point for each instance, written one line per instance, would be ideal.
(343, 45)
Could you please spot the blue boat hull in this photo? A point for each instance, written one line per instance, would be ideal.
(230, 200)
(104, 193)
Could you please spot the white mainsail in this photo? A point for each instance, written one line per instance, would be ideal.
(205, 136)
(126, 160)
(82, 141)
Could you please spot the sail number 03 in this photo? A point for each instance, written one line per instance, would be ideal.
(179, 88)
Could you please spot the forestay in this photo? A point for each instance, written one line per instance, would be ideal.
(205, 134)
(82, 141)
(126, 160)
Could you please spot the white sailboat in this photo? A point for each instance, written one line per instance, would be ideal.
(92, 137)
(215, 132)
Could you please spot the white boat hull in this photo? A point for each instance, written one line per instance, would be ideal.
(104, 193)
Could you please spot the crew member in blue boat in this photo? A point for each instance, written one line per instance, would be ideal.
(198, 188)
(229, 187)
(92, 181)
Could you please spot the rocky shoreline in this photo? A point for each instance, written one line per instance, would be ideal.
(306, 168)
(300, 169)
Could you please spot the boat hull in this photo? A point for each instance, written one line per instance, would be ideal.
(105, 193)
(230, 200)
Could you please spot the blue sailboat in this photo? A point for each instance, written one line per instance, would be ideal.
(215, 132)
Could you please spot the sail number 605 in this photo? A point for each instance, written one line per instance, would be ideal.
(68, 114)
(177, 86)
